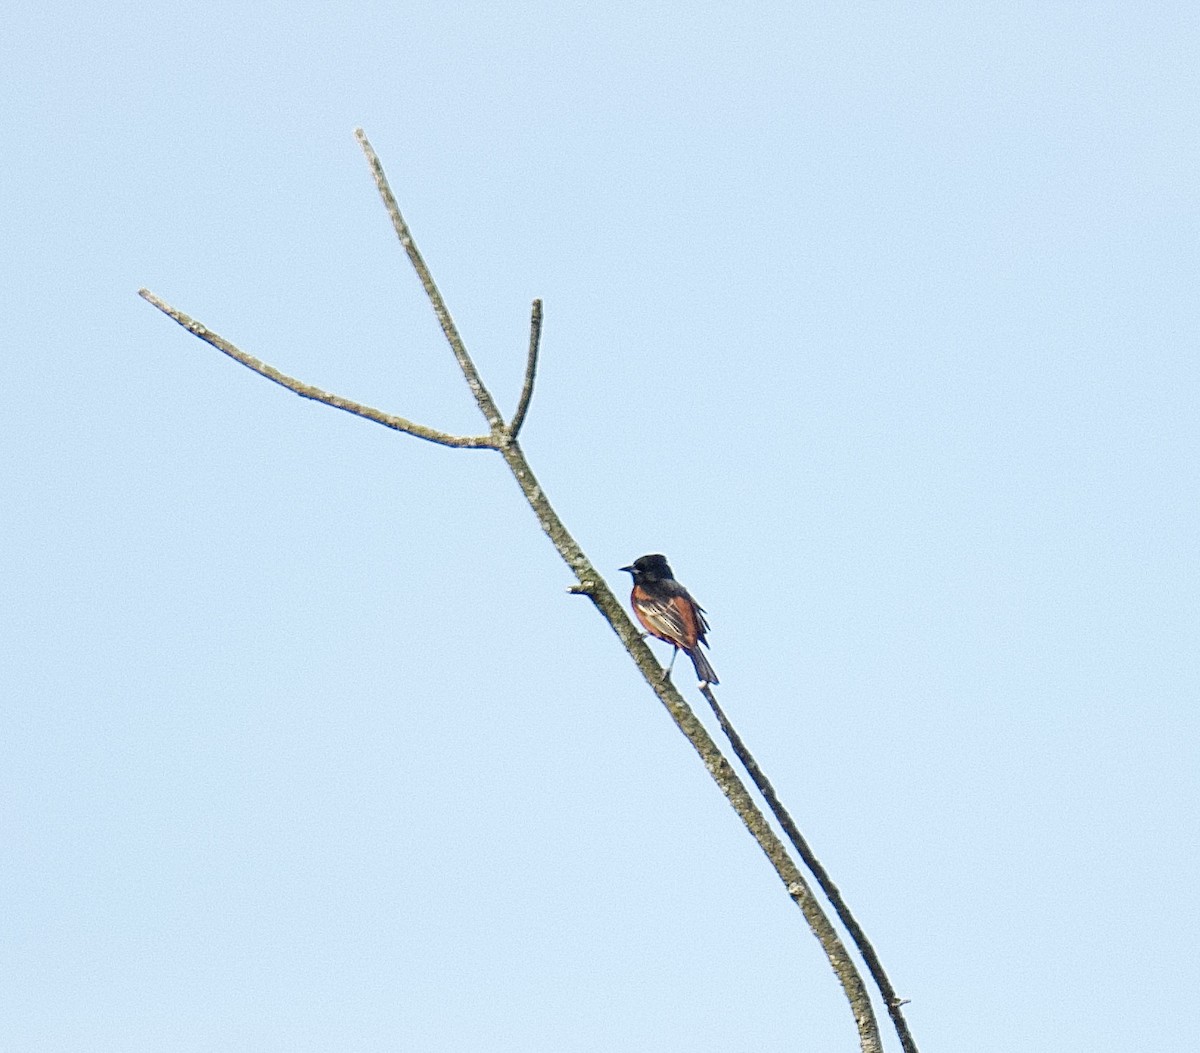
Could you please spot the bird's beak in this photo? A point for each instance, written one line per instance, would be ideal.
(630, 569)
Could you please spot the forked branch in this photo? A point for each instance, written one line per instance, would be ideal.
(590, 583)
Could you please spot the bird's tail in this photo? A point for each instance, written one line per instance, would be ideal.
(704, 671)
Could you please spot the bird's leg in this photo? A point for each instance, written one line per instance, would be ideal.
(671, 664)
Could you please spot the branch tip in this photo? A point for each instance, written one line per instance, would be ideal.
(531, 361)
(483, 397)
(388, 420)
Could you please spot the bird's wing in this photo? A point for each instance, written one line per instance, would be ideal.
(663, 618)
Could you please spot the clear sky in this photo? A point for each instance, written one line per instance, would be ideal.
(879, 319)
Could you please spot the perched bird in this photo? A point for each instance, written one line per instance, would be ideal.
(666, 610)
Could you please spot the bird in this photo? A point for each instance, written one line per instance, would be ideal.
(667, 611)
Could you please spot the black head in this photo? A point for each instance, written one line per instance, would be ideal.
(651, 568)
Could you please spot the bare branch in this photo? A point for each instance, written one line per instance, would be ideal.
(483, 397)
(474, 442)
(594, 586)
(591, 584)
(874, 965)
(535, 339)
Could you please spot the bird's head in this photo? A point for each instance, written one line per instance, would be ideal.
(650, 568)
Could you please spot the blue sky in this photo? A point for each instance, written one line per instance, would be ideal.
(880, 320)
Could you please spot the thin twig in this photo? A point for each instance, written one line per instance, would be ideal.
(483, 398)
(388, 420)
(874, 965)
(535, 340)
(597, 590)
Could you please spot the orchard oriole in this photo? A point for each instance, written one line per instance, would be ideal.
(667, 611)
